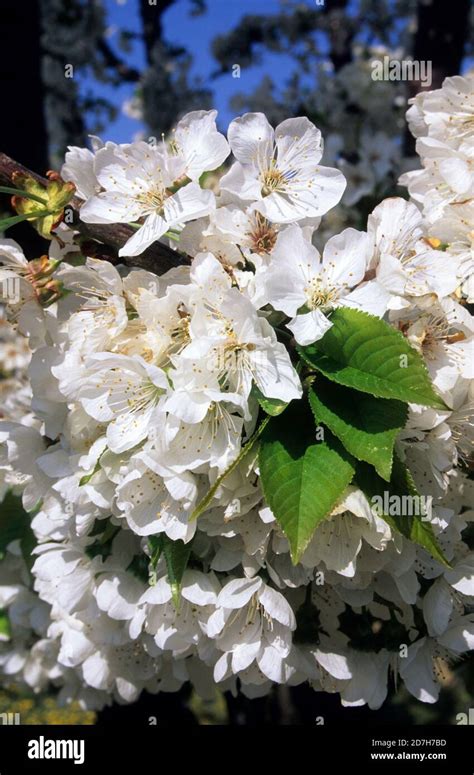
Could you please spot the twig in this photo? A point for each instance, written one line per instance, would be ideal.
(158, 258)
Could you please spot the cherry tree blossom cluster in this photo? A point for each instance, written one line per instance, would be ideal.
(157, 548)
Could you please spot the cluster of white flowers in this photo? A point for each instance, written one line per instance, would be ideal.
(442, 122)
(144, 389)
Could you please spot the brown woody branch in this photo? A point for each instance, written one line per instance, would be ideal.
(158, 258)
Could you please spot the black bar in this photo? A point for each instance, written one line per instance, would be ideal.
(420, 749)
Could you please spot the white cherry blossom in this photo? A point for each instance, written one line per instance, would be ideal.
(278, 169)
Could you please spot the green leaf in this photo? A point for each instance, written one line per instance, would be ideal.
(272, 406)
(14, 525)
(177, 555)
(367, 426)
(302, 479)
(401, 484)
(27, 544)
(5, 629)
(363, 352)
(205, 502)
(155, 544)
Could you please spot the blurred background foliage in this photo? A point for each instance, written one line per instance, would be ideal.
(157, 59)
(41, 709)
(128, 68)
(137, 66)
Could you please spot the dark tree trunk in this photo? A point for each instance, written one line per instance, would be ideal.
(440, 38)
(23, 129)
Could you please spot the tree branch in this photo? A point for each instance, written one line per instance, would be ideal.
(112, 61)
(158, 258)
(151, 16)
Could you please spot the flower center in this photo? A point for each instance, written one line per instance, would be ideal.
(263, 235)
(428, 333)
(319, 297)
(272, 180)
(153, 199)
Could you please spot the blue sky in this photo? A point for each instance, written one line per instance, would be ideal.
(182, 28)
(195, 33)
